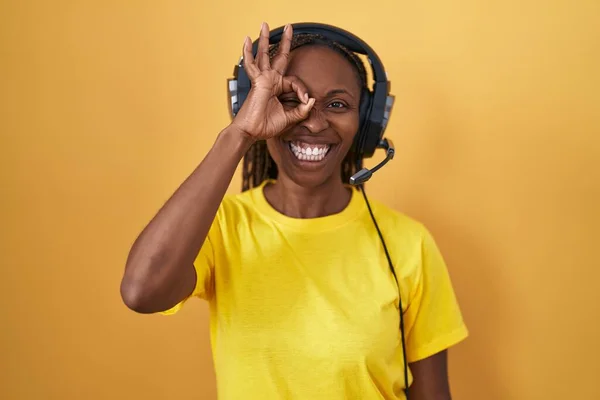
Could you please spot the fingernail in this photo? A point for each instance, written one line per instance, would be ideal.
(264, 24)
(286, 27)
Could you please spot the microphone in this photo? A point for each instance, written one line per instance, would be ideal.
(365, 174)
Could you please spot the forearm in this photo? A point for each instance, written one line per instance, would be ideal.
(420, 395)
(159, 271)
(430, 378)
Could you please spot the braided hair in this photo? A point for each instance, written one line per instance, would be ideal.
(258, 165)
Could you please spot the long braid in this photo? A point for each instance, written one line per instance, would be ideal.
(258, 165)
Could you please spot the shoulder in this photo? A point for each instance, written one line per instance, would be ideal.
(236, 208)
(411, 244)
(239, 200)
(398, 225)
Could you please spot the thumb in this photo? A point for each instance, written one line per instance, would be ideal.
(301, 112)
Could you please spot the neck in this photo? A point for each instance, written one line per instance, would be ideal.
(301, 202)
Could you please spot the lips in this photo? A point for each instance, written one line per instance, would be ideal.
(309, 152)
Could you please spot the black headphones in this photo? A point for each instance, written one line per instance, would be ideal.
(375, 105)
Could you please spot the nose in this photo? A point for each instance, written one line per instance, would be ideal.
(316, 121)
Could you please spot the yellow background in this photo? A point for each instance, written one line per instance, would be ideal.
(106, 106)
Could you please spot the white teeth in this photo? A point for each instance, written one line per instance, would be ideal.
(307, 152)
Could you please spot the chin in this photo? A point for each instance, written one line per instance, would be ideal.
(309, 163)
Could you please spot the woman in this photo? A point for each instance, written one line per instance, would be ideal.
(303, 303)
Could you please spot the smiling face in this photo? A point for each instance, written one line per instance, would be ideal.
(311, 152)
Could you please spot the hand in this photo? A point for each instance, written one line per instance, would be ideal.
(262, 115)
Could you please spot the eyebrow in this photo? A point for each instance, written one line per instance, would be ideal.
(333, 92)
(338, 91)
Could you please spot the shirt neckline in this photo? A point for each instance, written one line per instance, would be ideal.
(352, 211)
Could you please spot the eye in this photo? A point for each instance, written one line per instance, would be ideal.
(289, 101)
(337, 104)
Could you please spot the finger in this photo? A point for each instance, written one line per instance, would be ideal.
(249, 65)
(301, 112)
(262, 56)
(294, 84)
(280, 61)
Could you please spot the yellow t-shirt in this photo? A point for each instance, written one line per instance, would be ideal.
(308, 308)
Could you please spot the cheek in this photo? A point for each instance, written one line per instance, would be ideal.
(274, 147)
(346, 126)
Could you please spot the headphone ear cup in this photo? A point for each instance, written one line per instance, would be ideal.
(363, 116)
(365, 105)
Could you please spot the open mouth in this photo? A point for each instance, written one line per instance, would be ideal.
(309, 152)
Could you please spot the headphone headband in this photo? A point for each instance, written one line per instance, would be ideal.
(343, 37)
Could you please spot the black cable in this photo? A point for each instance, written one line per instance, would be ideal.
(387, 254)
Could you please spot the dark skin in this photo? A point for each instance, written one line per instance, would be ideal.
(309, 95)
(430, 378)
(316, 189)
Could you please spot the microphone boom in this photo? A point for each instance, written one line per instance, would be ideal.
(365, 174)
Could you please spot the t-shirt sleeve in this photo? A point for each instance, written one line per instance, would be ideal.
(204, 264)
(433, 319)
